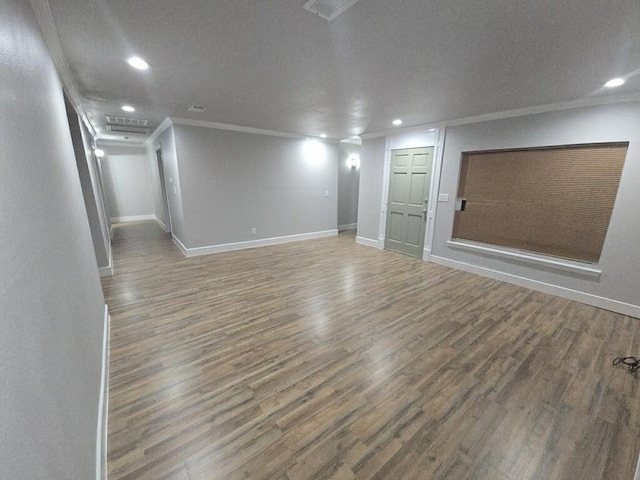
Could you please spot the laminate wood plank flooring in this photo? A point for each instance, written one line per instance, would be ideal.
(324, 359)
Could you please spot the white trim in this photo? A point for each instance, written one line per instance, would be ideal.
(531, 258)
(368, 242)
(180, 245)
(637, 475)
(239, 128)
(518, 112)
(132, 218)
(166, 123)
(347, 226)
(161, 223)
(352, 141)
(108, 270)
(113, 143)
(263, 242)
(426, 254)
(103, 403)
(594, 300)
(52, 39)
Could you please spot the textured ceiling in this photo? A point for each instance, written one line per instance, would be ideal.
(271, 64)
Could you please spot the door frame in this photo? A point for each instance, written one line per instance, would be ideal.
(163, 186)
(433, 137)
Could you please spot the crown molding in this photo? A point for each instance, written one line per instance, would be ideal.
(239, 128)
(518, 112)
(166, 123)
(51, 38)
(115, 143)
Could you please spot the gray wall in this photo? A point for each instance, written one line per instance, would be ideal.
(620, 258)
(348, 181)
(370, 190)
(234, 181)
(91, 189)
(127, 178)
(52, 303)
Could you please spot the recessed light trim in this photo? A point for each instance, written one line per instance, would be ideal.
(138, 63)
(323, 135)
(397, 122)
(99, 152)
(128, 108)
(614, 82)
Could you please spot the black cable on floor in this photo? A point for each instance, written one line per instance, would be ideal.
(632, 363)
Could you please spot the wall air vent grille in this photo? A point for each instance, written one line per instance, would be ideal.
(328, 9)
(128, 121)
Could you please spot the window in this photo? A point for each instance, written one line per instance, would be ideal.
(553, 200)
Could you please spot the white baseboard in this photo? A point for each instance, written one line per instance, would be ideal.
(161, 223)
(132, 218)
(103, 403)
(426, 254)
(180, 245)
(263, 242)
(108, 270)
(368, 242)
(348, 226)
(637, 475)
(588, 298)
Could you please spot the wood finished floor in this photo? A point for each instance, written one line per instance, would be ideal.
(324, 359)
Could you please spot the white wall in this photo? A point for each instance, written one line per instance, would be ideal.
(127, 178)
(52, 303)
(370, 189)
(348, 181)
(618, 287)
(232, 182)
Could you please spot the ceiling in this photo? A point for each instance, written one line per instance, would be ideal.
(271, 64)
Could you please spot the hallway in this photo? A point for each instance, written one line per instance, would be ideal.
(326, 359)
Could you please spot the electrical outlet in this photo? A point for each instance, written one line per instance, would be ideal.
(253, 230)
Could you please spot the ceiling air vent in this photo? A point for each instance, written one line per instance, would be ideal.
(197, 109)
(120, 124)
(131, 122)
(328, 9)
(126, 129)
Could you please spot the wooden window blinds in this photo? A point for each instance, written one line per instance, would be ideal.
(553, 200)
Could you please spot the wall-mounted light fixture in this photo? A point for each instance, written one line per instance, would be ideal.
(353, 161)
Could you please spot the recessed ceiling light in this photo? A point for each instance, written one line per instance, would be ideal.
(137, 62)
(614, 82)
(323, 135)
(99, 153)
(128, 108)
(397, 122)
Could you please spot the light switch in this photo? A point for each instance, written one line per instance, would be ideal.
(171, 180)
(443, 197)
(175, 190)
(326, 193)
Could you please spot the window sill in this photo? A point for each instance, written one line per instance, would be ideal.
(530, 258)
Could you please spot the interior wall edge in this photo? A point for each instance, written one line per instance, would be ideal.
(103, 406)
